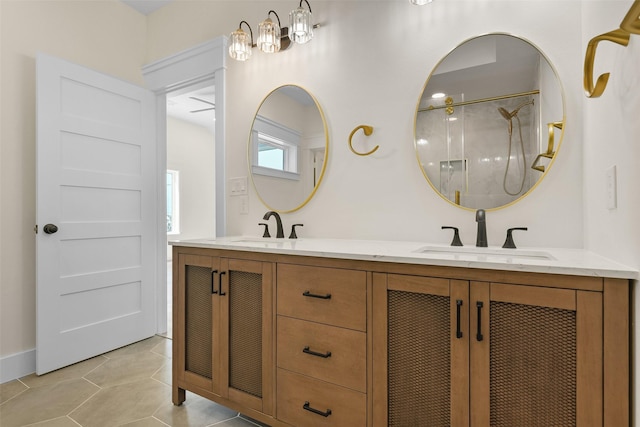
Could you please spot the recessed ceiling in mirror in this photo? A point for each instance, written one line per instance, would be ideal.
(287, 148)
(488, 120)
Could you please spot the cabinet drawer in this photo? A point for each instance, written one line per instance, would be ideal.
(333, 354)
(326, 295)
(295, 392)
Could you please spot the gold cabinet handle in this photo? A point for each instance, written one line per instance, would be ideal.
(618, 36)
(368, 130)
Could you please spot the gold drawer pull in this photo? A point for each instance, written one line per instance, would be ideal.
(309, 294)
(307, 407)
(314, 353)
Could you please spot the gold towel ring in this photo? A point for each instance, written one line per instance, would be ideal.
(368, 130)
(618, 36)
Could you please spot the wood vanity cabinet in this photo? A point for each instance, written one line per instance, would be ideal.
(471, 353)
(307, 341)
(222, 331)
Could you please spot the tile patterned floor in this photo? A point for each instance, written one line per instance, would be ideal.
(126, 387)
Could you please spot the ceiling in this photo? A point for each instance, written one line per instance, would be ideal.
(196, 106)
(146, 6)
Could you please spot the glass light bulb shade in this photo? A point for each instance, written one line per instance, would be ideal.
(421, 2)
(268, 36)
(240, 45)
(300, 25)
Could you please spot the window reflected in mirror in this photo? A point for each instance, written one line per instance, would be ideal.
(271, 155)
(275, 149)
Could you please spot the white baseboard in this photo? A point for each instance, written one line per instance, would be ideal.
(17, 365)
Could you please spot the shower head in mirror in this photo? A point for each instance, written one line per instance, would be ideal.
(509, 115)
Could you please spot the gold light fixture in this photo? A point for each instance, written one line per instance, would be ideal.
(301, 24)
(240, 43)
(272, 37)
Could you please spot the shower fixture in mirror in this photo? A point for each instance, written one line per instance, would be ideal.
(288, 148)
(484, 125)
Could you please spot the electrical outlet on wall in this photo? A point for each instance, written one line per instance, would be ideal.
(244, 205)
(612, 188)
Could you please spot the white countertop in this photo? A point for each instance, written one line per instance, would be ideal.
(575, 262)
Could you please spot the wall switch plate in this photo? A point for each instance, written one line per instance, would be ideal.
(244, 205)
(612, 188)
(238, 186)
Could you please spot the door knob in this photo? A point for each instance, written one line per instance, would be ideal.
(50, 228)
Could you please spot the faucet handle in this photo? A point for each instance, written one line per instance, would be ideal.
(456, 236)
(266, 229)
(293, 234)
(509, 243)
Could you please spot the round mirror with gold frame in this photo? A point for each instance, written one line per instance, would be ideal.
(489, 122)
(288, 147)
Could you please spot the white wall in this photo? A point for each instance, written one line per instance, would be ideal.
(612, 138)
(612, 132)
(190, 150)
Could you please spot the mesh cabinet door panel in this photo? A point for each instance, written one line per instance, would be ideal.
(533, 366)
(198, 321)
(245, 332)
(419, 360)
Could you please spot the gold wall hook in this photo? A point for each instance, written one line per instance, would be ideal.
(630, 25)
(550, 146)
(631, 22)
(618, 36)
(368, 130)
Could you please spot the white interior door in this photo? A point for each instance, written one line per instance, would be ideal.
(96, 182)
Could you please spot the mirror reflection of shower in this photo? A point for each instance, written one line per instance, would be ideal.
(469, 156)
(509, 116)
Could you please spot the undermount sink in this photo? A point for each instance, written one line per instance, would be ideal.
(484, 253)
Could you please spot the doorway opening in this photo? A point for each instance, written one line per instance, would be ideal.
(191, 189)
(179, 75)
